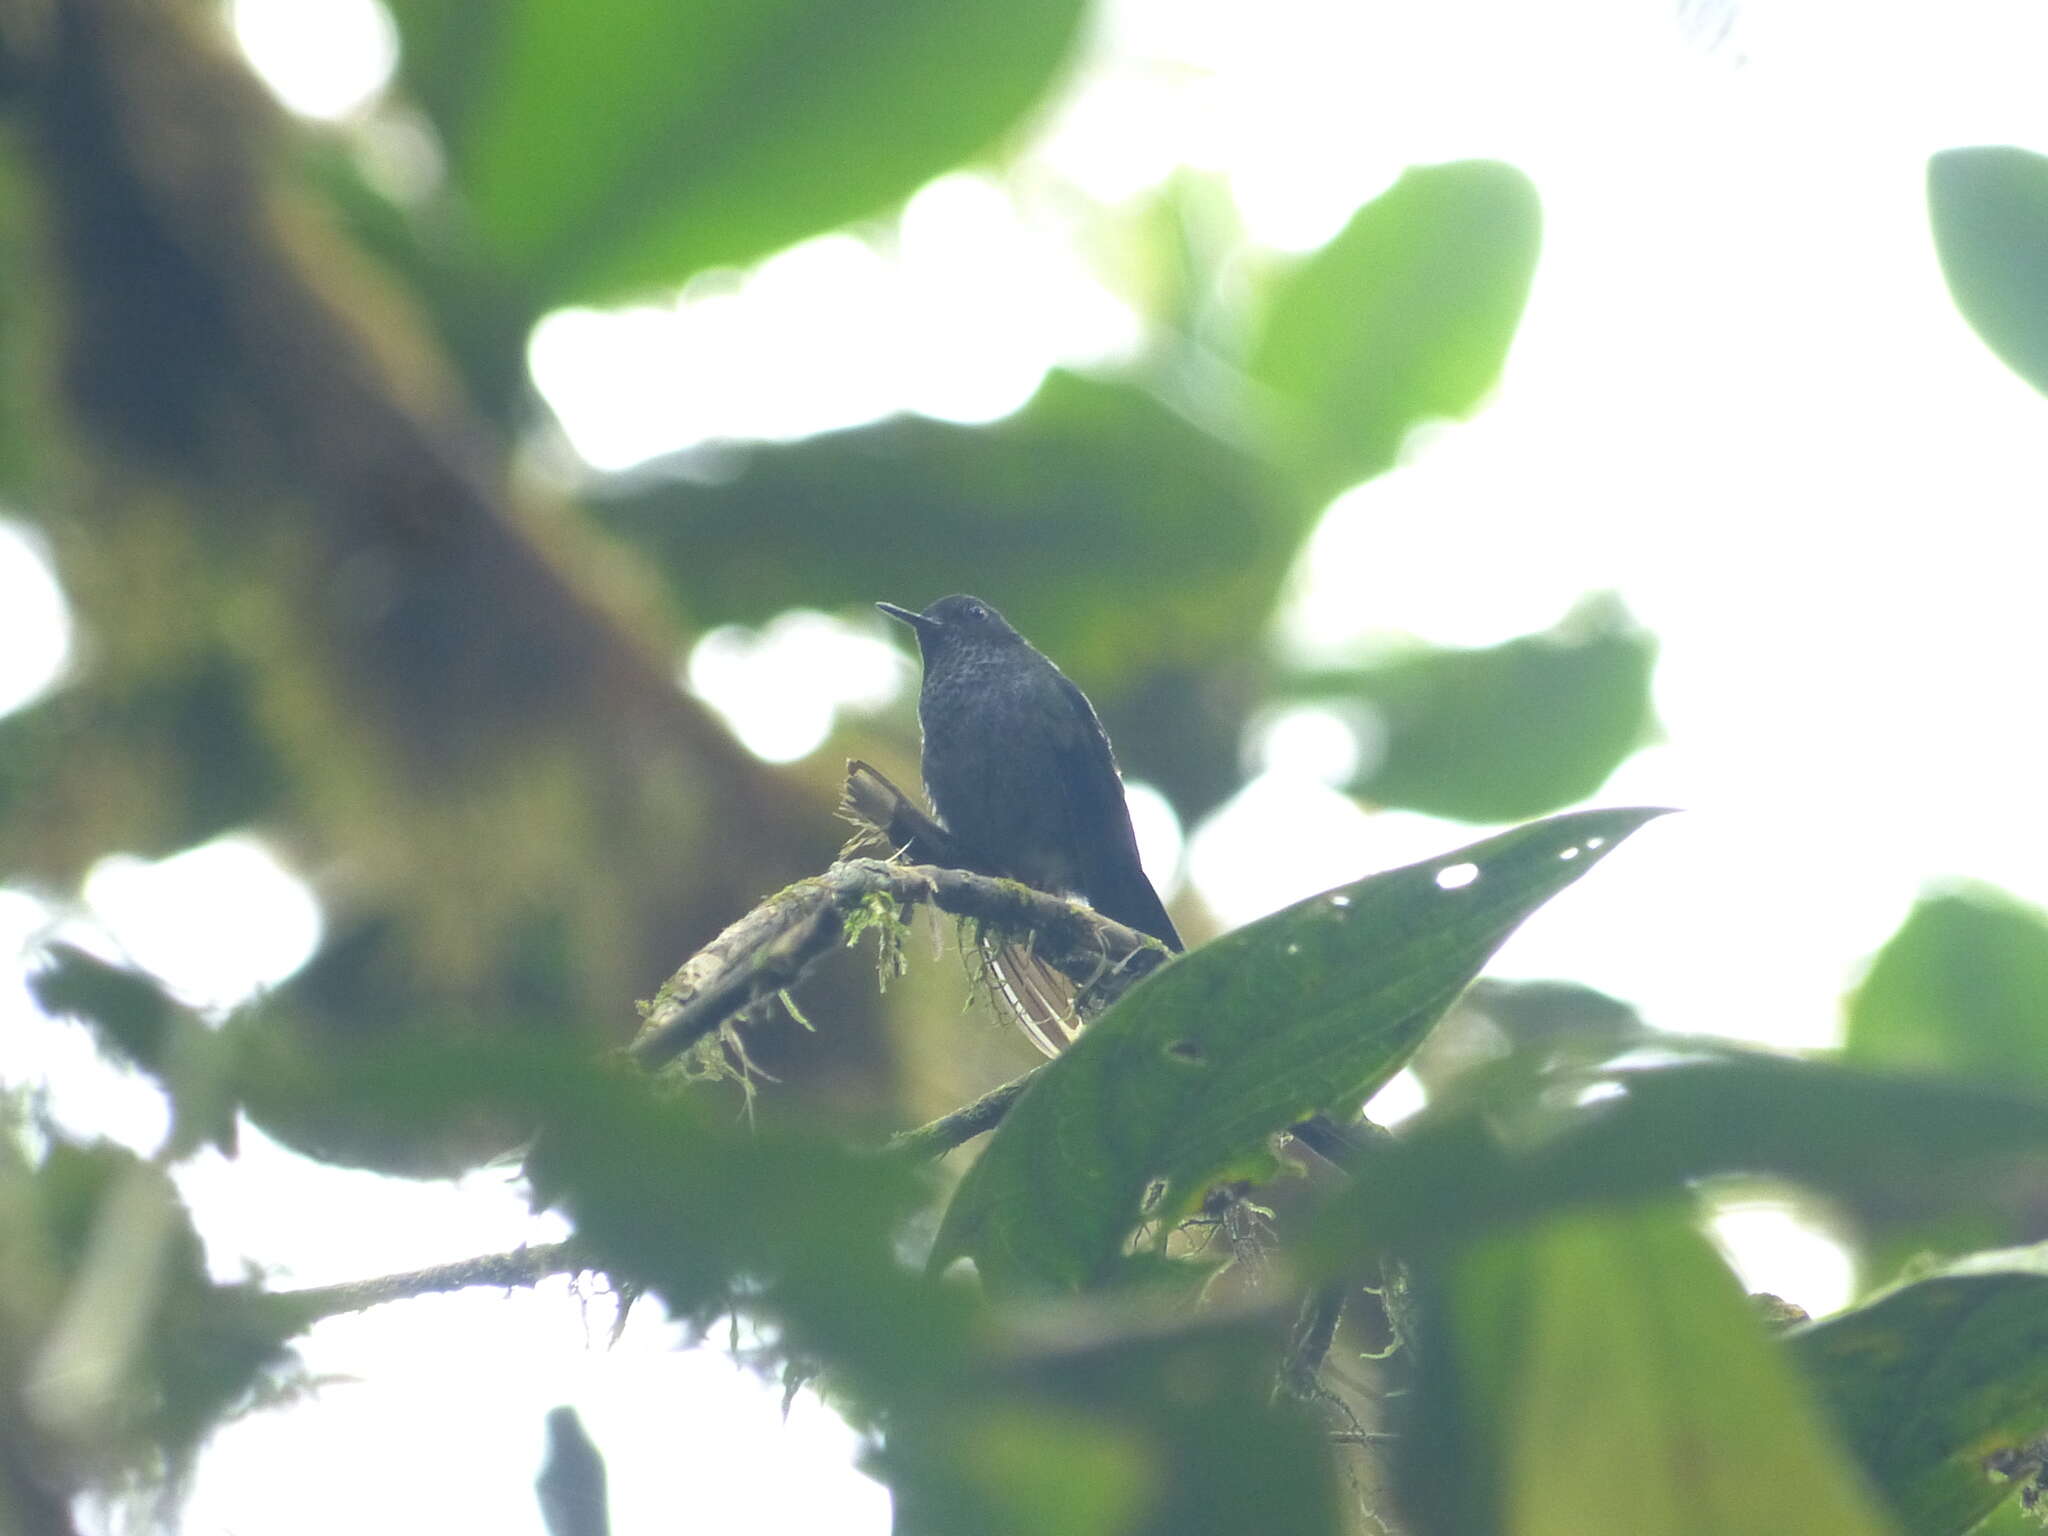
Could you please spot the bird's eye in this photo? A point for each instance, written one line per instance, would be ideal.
(977, 612)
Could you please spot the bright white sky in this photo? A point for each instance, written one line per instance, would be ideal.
(1741, 398)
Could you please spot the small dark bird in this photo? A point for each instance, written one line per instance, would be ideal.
(1019, 770)
(571, 1485)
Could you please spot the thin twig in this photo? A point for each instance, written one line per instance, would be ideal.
(1314, 1331)
(522, 1266)
(964, 1124)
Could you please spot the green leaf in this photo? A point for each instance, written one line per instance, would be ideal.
(1186, 1079)
(1932, 1378)
(1962, 986)
(1403, 318)
(1607, 1378)
(784, 1223)
(132, 1354)
(1989, 207)
(1875, 1141)
(1033, 1468)
(1119, 1422)
(136, 1021)
(624, 144)
(1142, 553)
(131, 1013)
(1107, 527)
(1513, 730)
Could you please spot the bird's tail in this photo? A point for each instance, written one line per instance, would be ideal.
(1042, 1002)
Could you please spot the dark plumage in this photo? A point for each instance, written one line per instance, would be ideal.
(1019, 769)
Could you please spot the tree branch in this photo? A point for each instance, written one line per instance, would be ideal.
(522, 1266)
(964, 1124)
(773, 946)
(1315, 1329)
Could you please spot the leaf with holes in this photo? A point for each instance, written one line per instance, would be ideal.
(1188, 1078)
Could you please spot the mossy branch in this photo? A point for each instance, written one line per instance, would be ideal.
(773, 946)
(942, 1135)
(522, 1266)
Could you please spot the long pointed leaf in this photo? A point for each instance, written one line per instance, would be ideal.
(1187, 1079)
(1866, 1138)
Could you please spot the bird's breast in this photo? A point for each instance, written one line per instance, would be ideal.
(992, 766)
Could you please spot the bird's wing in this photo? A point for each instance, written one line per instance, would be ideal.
(1113, 880)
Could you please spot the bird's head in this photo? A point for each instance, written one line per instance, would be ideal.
(955, 623)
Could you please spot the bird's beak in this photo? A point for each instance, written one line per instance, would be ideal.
(916, 621)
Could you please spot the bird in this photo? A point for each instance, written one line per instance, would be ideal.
(1019, 770)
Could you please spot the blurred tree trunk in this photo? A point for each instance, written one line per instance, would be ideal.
(435, 687)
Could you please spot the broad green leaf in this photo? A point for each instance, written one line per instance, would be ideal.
(1113, 532)
(623, 144)
(1510, 731)
(1404, 318)
(1186, 1080)
(1035, 1469)
(1962, 986)
(1611, 1380)
(1120, 1422)
(1989, 207)
(789, 1226)
(1930, 1381)
(1874, 1141)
